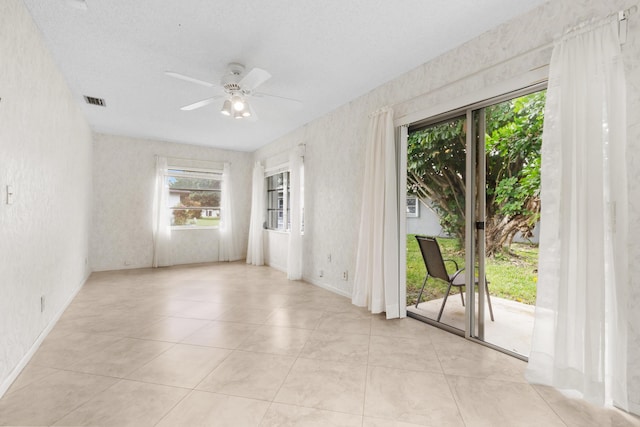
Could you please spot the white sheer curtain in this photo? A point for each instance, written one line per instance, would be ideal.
(294, 254)
(161, 221)
(227, 249)
(377, 270)
(579, 340)
(255, 247)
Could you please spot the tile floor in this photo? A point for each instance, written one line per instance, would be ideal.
(512, 328)
(235, 345)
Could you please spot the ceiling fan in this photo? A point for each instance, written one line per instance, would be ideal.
(237, 87)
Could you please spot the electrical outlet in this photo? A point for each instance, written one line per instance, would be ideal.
(320, 273)
(42, 304)
(345, 275)
(10, 194)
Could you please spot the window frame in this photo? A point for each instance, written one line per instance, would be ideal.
(200, 173)
(286, 200)
(416, 205)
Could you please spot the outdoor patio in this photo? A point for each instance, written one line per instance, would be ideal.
(511, 330)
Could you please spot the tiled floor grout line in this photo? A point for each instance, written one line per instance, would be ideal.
(284, 380)
(88, 400)
(446, 378)
(366, 378)
(549, 405)
(337, 325)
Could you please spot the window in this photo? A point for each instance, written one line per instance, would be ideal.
(413, 207)
(194, 197)
(278, 196)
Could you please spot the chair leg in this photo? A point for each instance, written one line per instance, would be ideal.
(486, 287)
(462, 295)
(444, 302)
(422, 289)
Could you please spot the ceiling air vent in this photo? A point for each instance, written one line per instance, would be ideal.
(95, 101)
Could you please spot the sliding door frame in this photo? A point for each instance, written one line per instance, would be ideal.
(475, 209)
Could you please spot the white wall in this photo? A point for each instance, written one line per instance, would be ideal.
(275, 249)
(336, 142)
(124, 176)
(45, 154)
(426, 223)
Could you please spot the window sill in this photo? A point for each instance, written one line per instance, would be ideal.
(192, 227)
(277, 231)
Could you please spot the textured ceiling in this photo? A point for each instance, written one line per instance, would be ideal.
(322, 52)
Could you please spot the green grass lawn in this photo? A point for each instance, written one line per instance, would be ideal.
(512, 277)
(208, 222)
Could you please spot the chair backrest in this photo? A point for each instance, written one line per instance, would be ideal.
(432, 257)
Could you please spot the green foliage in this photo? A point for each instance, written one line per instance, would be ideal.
(436, 169)
(189, 183)
(202, 198)
(186, 216)
(513, 142)
(190, 197)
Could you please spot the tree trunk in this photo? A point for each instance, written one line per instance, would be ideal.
(500, 230)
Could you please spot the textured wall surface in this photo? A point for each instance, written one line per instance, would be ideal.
(336, 142)
(124, 177)
(45, 154)
(275, 249)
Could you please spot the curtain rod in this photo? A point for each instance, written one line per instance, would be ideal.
(301, 147)
(195, 160)
(480, 71)
(622, 17)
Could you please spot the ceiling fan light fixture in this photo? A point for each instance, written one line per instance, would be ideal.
(226, 108)
(238, 102)
(246, 111)
(237, 115)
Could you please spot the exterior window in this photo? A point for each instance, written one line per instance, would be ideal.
(413, 207)
(278, 194)
(194, 198)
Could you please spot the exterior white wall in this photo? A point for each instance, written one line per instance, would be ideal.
(335, 143)
(426, 223)
(124, 177)
(45, 154)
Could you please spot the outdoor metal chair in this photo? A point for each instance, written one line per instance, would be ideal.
(437, 269)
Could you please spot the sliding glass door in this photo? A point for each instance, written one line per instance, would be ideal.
(476, 176)
(436, 184)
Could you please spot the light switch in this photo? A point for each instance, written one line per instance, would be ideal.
(10, 195)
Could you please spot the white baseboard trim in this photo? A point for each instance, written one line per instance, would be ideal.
(4, 386)
(327, 287)
(634, 408)
(276, 267)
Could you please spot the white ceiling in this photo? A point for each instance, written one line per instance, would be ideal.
(322, 52)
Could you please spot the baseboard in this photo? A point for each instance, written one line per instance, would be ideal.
(634, 408)
(327, 287)
(4, 386)
(276, 267)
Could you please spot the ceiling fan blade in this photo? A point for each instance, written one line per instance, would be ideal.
(188, 79)
(199, 104)
(297, 102)
(254, 78)
(253, 117)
